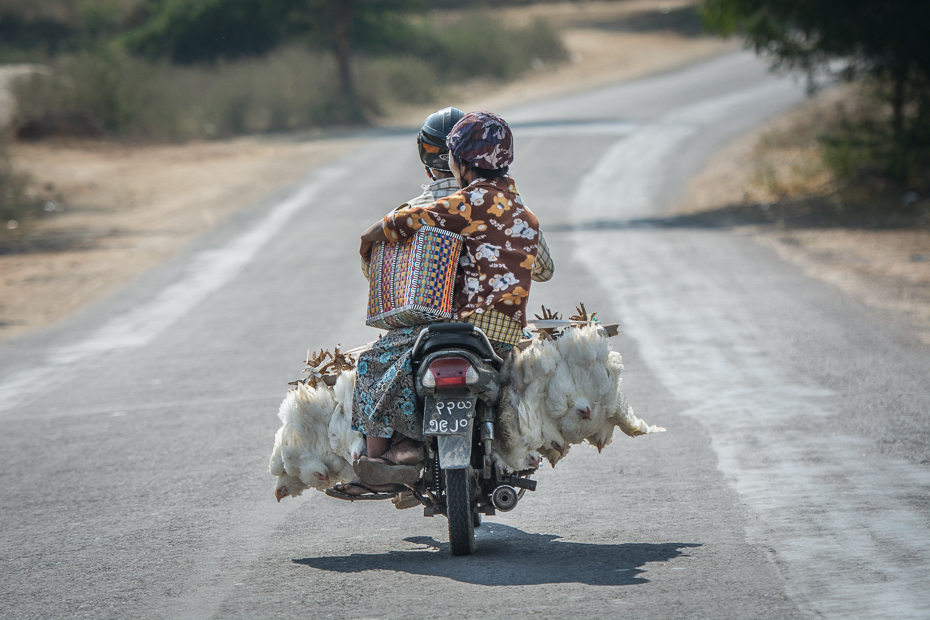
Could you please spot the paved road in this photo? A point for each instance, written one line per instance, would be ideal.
(792, 481)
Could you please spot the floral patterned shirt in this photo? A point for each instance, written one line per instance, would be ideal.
(499, 252)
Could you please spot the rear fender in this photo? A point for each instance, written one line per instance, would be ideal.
(455, 450)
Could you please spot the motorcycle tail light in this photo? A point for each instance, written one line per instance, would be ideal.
(449, 372)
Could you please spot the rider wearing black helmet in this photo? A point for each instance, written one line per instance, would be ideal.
(431, 141)
(431, 144)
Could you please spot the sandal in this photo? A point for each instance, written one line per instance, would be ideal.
(370, 494)
(406, 499)
(379, 470)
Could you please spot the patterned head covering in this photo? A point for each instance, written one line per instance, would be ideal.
(483, 139)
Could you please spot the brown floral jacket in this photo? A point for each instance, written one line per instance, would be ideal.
(501, 241)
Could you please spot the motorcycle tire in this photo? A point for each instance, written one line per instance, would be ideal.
(476, 517)
(459, 512)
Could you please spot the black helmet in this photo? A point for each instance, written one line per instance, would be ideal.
(431, 139)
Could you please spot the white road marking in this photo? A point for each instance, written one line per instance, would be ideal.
(560, 129)
(207, 273)
(845, 531)
(626, 180)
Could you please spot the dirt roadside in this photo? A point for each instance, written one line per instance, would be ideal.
(116, 210)
(771, 184)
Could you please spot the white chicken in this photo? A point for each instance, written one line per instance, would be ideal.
(522, 438)
(627, 421)
(556, 393)
(584, 388)
(302, 457)
(345, 442)
(523, 427)
(562, 392)
(512, 440)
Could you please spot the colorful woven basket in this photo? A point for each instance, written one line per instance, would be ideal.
(412, 282)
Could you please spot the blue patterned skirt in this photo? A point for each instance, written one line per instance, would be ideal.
(384, 403)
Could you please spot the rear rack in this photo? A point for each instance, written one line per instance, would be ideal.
(457, 328)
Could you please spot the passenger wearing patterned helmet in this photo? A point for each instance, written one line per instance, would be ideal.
(482, 140)
(502, 253)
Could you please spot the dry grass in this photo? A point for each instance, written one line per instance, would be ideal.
(106, 91)
(871, 241)
(782, 160)
(128, 209)
(603, 46)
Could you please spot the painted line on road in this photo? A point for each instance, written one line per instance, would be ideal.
(206, 273)
(826, 514)
(571, 128)
(146, 407)
(624, 183)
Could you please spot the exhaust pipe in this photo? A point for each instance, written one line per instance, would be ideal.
(504, 498)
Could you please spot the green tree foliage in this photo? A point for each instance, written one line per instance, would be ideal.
(346, 25)
(180, 69)
(35, 30)
(187, 31)
(43, 36)
(884, 39)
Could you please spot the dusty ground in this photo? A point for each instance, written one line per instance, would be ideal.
(772, 185)
(124, 209)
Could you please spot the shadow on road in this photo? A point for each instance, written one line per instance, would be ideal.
(507, 556)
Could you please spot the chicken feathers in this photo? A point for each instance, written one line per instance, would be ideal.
(315, 444)
(561, 392)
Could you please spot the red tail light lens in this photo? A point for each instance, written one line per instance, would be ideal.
(449, 372)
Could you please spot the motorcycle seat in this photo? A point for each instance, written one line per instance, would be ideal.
(438, 336)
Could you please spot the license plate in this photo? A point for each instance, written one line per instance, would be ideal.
(448, 415)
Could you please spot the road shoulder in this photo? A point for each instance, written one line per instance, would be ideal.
(770, 184)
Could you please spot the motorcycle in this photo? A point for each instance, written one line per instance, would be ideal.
(458, 383)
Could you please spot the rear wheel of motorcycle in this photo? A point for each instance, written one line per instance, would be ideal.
(458, 509)
(476, 518)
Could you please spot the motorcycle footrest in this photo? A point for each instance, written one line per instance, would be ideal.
(523, 483)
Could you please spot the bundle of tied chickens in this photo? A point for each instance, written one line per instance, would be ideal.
(561, 387)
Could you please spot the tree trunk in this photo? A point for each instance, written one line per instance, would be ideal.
(899, 165)
(897, 104)
(342, 34)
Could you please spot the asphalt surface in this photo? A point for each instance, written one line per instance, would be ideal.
(792, 482)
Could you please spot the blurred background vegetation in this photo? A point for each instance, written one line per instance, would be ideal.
(884, 134)
(182, 69)
(176, 70)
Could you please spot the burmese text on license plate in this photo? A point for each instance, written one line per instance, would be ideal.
(448, 416)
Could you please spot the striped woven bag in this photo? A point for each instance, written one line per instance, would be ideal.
(411, 282)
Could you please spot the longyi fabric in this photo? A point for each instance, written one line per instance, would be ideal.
(384, 400)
